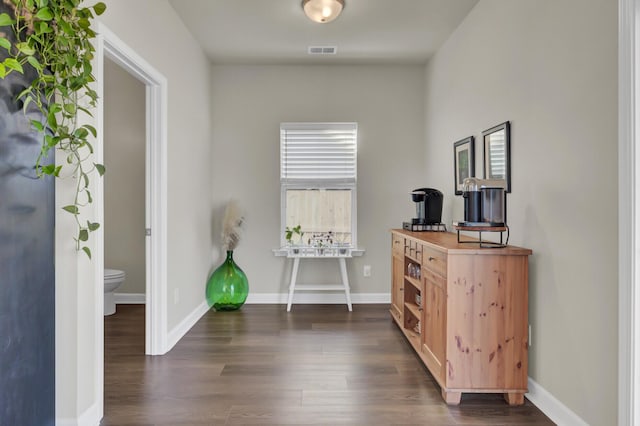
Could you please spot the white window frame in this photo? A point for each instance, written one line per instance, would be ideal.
(327, 184)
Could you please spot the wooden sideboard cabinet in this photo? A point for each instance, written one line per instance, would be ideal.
(464, 309)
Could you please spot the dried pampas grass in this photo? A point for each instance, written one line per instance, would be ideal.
(232, 225)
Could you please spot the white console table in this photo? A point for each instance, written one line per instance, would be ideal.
(340, 255)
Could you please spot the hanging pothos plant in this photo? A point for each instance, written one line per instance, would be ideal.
(54, 38)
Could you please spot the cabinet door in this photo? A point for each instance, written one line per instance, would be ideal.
(397, 288)
(434, 324)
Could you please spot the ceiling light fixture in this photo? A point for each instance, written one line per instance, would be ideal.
(322, 11)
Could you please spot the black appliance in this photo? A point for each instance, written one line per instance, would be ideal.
(472, 200)
(484, 202)
(428, 210)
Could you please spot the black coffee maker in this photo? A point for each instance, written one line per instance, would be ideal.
(428, 206)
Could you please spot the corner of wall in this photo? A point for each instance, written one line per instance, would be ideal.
(551, 406)
(185, 325)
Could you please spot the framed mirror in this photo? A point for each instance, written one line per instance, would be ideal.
(497, 157)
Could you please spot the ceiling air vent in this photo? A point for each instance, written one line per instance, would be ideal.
(322, 50)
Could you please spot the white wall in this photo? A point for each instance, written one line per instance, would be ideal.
(163, 40)
(550, 69)
(250, 102)
(153, 30)
(124, 182)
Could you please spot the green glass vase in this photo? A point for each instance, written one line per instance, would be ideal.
(227, 287)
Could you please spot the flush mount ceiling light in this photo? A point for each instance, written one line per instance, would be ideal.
(322, 11)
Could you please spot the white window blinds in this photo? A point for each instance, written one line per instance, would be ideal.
(318, 151)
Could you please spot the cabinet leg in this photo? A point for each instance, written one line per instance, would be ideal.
(513, 398)
(451, 398)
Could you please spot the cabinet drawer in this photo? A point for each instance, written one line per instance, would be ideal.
(397, 245)
(435, 261)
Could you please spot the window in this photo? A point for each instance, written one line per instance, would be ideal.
(318, 171)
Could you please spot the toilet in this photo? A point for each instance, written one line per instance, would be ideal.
(113, 278)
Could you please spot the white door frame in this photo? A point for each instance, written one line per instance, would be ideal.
(628, 212)
(109, 45)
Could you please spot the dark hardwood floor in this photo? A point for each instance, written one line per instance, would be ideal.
(318, 364)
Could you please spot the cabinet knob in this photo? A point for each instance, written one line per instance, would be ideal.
(431, 258)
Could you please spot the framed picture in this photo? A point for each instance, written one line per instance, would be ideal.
(497, 153)
(464, 162)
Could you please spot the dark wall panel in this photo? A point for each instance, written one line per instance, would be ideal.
(27, 292)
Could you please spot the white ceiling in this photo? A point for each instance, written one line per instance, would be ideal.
(278, 32)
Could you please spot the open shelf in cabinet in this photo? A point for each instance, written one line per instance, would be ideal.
(414, 339)
(413, 290)
(414, 282)
(413, 324)
(413, 295)
(415, 310)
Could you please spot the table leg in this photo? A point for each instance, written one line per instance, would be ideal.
(292, 284)
(345, 281)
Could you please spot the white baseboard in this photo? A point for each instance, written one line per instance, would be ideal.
(130, 298)
(90, 417)
(337, 298)
(185, 325)
(552, 407)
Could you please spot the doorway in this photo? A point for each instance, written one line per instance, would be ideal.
(124, 151)
(109, 46)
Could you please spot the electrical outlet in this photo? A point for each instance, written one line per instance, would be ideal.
(176, 296)
(366, 270)
(529, 334)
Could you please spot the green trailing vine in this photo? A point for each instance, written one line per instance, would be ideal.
(53, 37)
